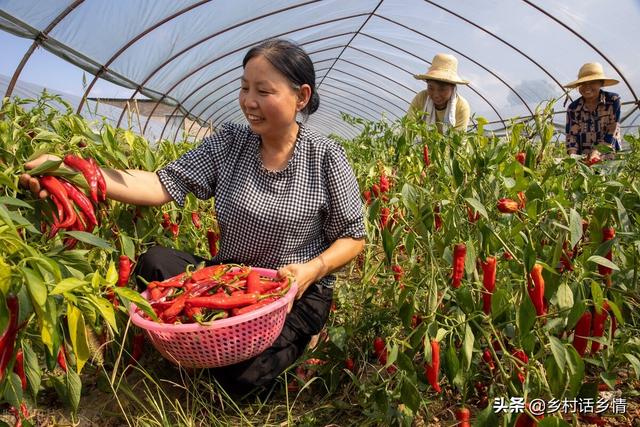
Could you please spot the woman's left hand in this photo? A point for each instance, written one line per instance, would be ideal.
(304, 274)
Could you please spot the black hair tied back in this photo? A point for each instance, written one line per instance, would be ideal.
(293, 62)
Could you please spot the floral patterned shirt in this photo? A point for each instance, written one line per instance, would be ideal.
(586, 129)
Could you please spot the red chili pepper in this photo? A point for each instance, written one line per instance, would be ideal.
(608, 233)
(375, 189)
(522, 200)
(175, 229)
(8, 338)
(378, 345)
(432, 370)
(472, 215)
(253, 282)
(459, 254)
(88, 171)
(166, 220)
(349, 364)
(62, 360)
(463, 415)
(384, 183)
(488, 358)
(398, 272)
(489, 270)
(82, 201)
(507, 205)
(437, 218)
(384, 217)
(582, 332)
(224, 302)
(597, 326)
(536, 290)
(124, 270)
(59, 195)
(102, 184)
(18, 368)
(521, 157)
(507, 256)
(425, 155)
(195, 219)
(521, 356)
(252, 307)
(137, 349)
(366, 194)
(212, 238)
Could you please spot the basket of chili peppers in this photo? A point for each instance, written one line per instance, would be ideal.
(216, 316)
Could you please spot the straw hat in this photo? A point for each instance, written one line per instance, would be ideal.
(589, 72)
(444, 68)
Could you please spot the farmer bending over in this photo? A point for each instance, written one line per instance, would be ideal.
(286, 198)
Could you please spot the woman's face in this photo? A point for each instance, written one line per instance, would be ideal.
(590, 91)
(267, 98)
(440, 93)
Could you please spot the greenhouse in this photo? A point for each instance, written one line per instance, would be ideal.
(417, 212)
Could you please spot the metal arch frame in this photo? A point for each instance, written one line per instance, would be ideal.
(217, 33)
(352, 38)
(130, 43)
(598, 51)
(373, 94)
(481, 28)
(463, 55)
(379, 111)
(336, 102)
(324, 117)
(382, 108)
(587, 42)
(188, 113)
(41, 36)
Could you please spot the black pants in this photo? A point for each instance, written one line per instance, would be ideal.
(307, 317)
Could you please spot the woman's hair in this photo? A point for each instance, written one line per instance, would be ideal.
(293, 62)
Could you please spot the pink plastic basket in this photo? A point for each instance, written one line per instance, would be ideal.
(225, 341)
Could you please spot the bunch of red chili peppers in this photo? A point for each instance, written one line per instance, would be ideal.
(214, 292)
(74, 210)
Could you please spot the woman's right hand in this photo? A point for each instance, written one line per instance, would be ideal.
(32, 183)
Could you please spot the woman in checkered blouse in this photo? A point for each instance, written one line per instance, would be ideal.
(286, 199)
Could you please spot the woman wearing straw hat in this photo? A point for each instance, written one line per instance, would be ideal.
(594, 118)
(440, 101)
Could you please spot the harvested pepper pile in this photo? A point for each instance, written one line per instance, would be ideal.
(214, 292)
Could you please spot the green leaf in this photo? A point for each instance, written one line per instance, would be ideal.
(469, 339)
(564, 295)
(13, 389)
(410, 395)
(31, 368)
(405, 363)
(616, 311)
(128, 246)
(46, 167)
(575, 227)
(596, 294)
(74, 388)
(451, 364)
(554, 376)
(112, 274)
(576, 371)
(7, 181)
(78, 335)
(90, 239)
(526, 315)
(487, 418)
(67, 285)
(105, 308)
(553, 422)
(478, 206)
(393, 355)
(36, 286)
(388, 244)
(11, 201)
(603, 261)
(623, 217)
(134, 297)
(635, 363)
(338, 336)
(558, 353)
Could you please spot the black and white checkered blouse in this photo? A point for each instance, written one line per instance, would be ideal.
(271, 218)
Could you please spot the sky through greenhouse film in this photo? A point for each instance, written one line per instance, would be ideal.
(558, 50)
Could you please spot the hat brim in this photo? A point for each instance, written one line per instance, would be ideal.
(454, 81)
(605, 81)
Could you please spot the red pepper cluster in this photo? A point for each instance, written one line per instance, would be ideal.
(212, 293)
(74, 210)
(8, 337)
